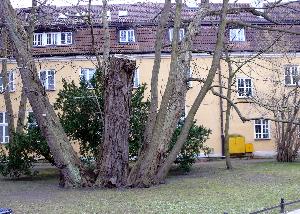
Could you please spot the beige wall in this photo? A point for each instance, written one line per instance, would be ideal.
(262, 71)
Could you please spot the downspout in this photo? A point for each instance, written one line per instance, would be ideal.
(221, 113)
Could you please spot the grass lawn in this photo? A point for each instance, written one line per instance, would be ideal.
(208, 188)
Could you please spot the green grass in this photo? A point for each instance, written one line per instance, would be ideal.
(208, 188)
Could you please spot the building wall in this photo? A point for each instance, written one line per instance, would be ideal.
(263, 72)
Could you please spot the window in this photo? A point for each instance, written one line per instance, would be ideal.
(66, 38)
(32, 122)
(181, 34)
(136, 79)
(37, 39)
(237, 35)
(123, 13)
(47, 79)
(53, 38)
(291, 75)
(244, 87)
(262, 129)
(4, 137)
(11, 83)
(127, 36)
(86, 75)
(108, 15)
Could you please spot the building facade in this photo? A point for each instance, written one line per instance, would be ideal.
(63, 49)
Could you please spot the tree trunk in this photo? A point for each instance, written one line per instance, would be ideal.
(228, 111)
(153, 153)
(165, 167)
(6, 88)
(155, 71)
(118, 89)
(72, 171)
(22, 112)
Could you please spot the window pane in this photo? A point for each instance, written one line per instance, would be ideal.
(1, 117)
(43, 78)
(63, 38)
(123, 36)
(1, 84)
(1, 133)
(181, 34)
(51, 80)
(5, 117)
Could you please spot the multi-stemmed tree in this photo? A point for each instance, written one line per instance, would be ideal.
(153, 161)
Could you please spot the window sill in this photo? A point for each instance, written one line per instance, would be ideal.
(126, 43)
(245, 97)
(262, 139)
(291, 85)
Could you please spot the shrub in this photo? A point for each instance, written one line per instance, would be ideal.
(192, 147)
(22, 153)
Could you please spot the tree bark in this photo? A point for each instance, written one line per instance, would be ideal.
(5, 79)
(171, 108)
(155, 71)
(23, 101)
(22, 112)
(72, 171)
(228, 111)
(165, 167)
(114, 159)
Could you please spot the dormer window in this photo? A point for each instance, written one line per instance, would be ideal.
(181, 34)
(126, 36)
(123, 13)
(66, 38)
(53, 38)
(237, 35)
(38, 39)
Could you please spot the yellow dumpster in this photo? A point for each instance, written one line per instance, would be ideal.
(249, 148)
(237, 144)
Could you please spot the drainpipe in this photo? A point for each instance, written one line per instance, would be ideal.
(221, 114)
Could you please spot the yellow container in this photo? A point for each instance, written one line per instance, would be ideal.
(249, 147)
(237, 144)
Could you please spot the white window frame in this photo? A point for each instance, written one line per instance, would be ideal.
(129, 36)
(136, 78)
(42, 39)
(237, 35)
(181, 34)
(37, 39)
(265, 129)
(11, 86)
(51, 38)
(85, 75)
(244, 88)
(292, 72)
(47, 85)
(122, 13)
(4, 127)
(68, 38)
